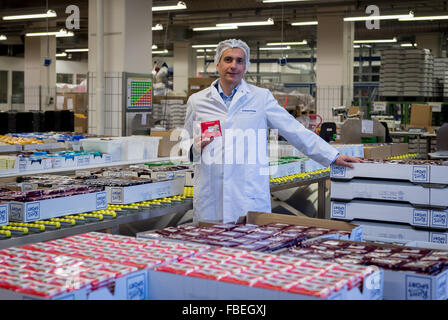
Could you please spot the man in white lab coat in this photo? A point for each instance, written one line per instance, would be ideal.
(232, 170)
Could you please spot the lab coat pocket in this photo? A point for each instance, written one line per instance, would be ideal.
(256, 189)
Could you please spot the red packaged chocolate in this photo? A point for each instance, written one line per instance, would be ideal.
(210, 273)
(276, 283)
(233, 268)
(334, 283)
(265, 257)
(211, 129)
(230, 252)
(243, 278)
(293, 261)
(178, 268)
(317, 290)
(281, 267)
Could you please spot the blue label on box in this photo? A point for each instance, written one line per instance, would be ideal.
(86, 160)
(3, 214)
(438, 238)
(418, 288)
(338, 172)
(107, 158)
(441, 285)
(22, 165)
(439, 219)
(136, 287)
(338, 210)
(57, 163)
(101, 200)
(32, 211)
(16, 211)
(420, 173)
(421, 217)
(115, 195)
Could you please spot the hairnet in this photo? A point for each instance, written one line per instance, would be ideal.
(230, 44)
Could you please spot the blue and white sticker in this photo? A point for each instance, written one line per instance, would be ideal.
(439, 219)
(57, 163)
(16, 211)
(101, 200)
(420, 173)
(421, 217)
(116, 195)
(32, 211)
(338, 210)
(436, 237)
(418, 288)
(441, 283)
(136, 287)
(3, 215)
(338, 172)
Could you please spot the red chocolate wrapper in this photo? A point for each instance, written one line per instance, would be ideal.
(211, 129)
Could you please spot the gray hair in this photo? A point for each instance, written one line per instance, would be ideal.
(230, 44)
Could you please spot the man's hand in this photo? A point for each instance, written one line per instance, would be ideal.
(200, 143)
(345, 161)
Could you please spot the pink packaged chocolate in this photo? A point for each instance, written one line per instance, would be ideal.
(230, 252)
(243, 278)
(293, 261)
(310, 289)
(277, 283)
(265, 257)
(210, 273)
(178, 268)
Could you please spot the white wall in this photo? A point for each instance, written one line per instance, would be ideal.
(10, 64)
(75, 67)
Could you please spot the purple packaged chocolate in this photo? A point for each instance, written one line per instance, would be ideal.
(257, 235)
(247, 228)
(232, 234)
(386, 263)
(226, 226)
(430, 267)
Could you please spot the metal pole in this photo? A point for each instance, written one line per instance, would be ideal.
(100, 67)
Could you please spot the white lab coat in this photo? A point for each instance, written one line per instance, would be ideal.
(223, 191)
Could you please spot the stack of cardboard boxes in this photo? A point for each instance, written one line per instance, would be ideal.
(78, 103)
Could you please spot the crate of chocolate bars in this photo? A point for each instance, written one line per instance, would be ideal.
(265, 232)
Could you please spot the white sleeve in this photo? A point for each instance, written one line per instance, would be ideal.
(189, 129)
(296, 134)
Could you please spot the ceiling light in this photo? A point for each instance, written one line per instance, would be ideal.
(385, 17)
(424, 18)
(157, 27)
(48, 14)
(160, 51)
(206, 50)
(270, 21)
(287, 43)
(204, 46)
(60, 33)
(305, 23)
(376, 41)
(77, 50)
(276, 48)
(179, 6)
(154, 46)
(408, 45)
(232, 27)
(62, 54)
(3, 37)
(357, 46)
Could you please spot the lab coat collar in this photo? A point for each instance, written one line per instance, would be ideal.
(243, 88)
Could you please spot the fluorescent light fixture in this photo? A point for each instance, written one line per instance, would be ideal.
(232, 27)
(357, 46)
(160, 51)
(275, 48)
(62, 54)
(277, 1)
(48, 14)
(58, 34)
(287, 43)
(154, 46)
(206, 50)
(268, 22)
(384, 17)
(204, 46)
(408, 45)
(305, 23)
(3, 37)
(77, 50)
(157, 27)
(424, 18)
(376, 41)
(179, 6)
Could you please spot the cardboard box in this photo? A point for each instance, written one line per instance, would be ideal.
(198, 84)
(170, 286)
(389, 212)
(439, 175)
(165, 144)
(421, 117)
(377, 152)
(76, 102)
(399, 149)
(81, 124)
(57, 207)
(144, 192)
(398, 233)
(380, 190)
(286, 169)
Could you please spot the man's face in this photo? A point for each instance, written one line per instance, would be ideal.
(232, 65)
